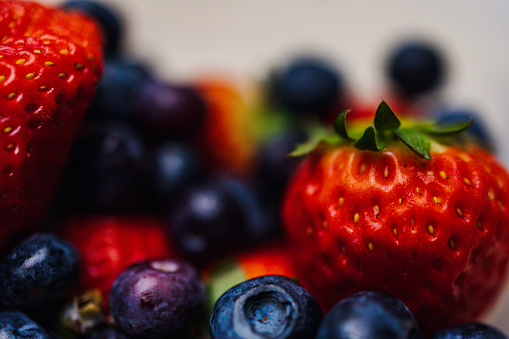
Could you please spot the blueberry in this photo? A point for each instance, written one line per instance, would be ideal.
(168, 111)
(106, 332)
(156, 299)
(171, 168)
(307, 85)
(216, 217)
(206, 222)
(470, 331)
(271, 306)
(37, 272)
(478, 130)
(276, 166)
(104, 170)
(120, 84)
(110, 21)
(415, 68)
(369, 314)
(17, 325)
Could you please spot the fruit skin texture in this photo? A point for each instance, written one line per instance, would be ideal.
(111, 244)
(156, 299)
(470, 331)
(15, 324)
(49, 67)
(270, 306)
(369, 314)
(433, 233)
(37, 272)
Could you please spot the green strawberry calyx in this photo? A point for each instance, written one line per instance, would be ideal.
(385, 129)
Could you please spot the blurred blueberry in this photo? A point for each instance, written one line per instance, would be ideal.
(470, 331)
(276, 166)
(106, 332)
(37, 272)
(17, 325)
(307, 85)
(167, 111)
(206, 222)
(415, 68)
(156, 299)
(171, 168)
(118, 89)
(478, 130)
(271, 306)
(369, 314)
(108, 18)
(104, 169)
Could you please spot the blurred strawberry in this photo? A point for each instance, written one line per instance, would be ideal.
(108, 244)
(227, 140)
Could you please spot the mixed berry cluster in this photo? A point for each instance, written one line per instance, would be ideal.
(180, 214)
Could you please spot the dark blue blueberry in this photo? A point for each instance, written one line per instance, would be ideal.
(276, 166)
(369, 315)
(415, 68)
(271, 306)
(106, 332)
(37, 272)
(260, 221)
(156, 299)
(307, 85)
(171, 168)
(17, 325)
(167, 111)
(470, 331)
(110, 21)
(478, 130)
(117, 91)
(104, 169)
(206, 222)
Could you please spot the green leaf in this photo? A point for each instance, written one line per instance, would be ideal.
(385, 119)
(416, 141)
(305, 148)
(371, 141)
(340, 125)
(449, 129)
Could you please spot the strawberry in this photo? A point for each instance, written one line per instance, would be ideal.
(111, 244)
(50, 64)
(226, 142)
(405, 209)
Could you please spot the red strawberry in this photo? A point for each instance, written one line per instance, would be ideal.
(50, 63)
(108, 244)
(430, 227)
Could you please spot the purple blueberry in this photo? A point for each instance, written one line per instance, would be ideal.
(415, 68)
(106, 332)
(206, 222)
(470, 331)
(118, 89)
(17, 325)
(105, 168)
(271, 306)
(155, 299)
(369, 314)
(172, 167)
(167, 111)
(37, 272)
(307, 85)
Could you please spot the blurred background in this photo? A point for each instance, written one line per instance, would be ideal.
(245, 39)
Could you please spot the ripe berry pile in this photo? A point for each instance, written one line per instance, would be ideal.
(136, 207)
